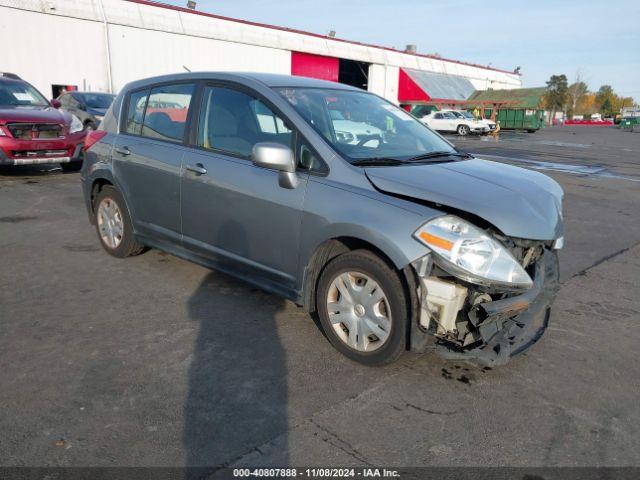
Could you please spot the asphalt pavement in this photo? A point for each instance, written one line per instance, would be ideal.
(155, 361)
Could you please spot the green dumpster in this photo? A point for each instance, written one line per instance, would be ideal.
(518, 109)
(629, 122)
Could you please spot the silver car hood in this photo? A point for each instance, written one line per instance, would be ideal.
(519, 202)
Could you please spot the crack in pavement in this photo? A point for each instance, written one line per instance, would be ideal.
(600, 261)
(349, 450)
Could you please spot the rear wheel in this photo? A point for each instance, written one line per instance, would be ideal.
(363, 308)
(463, 130)
(113, 224)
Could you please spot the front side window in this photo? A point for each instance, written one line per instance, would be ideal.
(20, 94)
(360, 125)
(166, 113)
(233, 122)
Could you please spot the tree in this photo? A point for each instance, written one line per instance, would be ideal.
(557, 93)
(607, 101)
(586, 105)
(576, 91)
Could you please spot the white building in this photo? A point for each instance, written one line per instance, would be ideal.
(100, 45)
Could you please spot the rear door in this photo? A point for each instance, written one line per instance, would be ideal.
(147, 158)
(233, 212)
(439, 122)
(450, 122)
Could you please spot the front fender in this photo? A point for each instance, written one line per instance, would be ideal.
(387, 223)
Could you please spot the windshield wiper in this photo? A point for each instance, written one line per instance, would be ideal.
(382, 161)
(438, 154)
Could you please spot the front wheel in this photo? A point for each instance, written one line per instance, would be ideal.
(363, 308)
(463, 130)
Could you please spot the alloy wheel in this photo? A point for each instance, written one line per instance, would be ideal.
(110, 223)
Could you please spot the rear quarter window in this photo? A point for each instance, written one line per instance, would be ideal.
(135, 112)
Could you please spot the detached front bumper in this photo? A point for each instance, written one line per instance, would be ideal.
(509, 326)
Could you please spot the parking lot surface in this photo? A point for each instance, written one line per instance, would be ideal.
(156, 361)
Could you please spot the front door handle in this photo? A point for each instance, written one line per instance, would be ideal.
(123, 151)
(198, 169)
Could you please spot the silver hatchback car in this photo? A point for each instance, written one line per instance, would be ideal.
(336, 199)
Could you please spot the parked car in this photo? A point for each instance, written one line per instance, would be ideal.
(491, 125)
(33, 130)
(89, 107)
(396, 244)
(446, 121)
(349, 131)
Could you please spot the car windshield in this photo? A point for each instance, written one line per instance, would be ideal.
(361, 126)
(468, 115)
(98, 100)
(19, 94)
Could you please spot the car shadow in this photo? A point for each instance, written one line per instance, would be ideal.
(29, 170)
(237, 391)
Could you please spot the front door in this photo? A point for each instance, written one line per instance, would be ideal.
(233, 212)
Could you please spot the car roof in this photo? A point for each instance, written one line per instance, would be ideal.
(268, 79)
(12, 80)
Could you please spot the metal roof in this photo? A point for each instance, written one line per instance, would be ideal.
(440, 86)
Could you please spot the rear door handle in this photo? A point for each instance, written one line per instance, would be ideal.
(123, 151)
(198, 169)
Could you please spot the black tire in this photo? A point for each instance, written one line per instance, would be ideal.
(128, 245)
(363, 261)
(463, 130)
(71, 166)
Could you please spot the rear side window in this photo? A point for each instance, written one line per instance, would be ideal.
(234, 122)
(135, 112)
(166, 114)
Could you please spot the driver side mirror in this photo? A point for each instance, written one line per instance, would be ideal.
(55, 103)
(279, 157)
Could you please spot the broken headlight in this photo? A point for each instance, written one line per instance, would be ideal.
(471, 254)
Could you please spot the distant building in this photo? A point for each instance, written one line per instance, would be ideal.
(100, 45)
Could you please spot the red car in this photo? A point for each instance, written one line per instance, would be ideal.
(33, 130)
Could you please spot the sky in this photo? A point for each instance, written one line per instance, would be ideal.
(599, 40)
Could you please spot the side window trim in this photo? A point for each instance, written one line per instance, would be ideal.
(122, 130)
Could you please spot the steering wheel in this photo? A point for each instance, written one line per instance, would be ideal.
(368, 138)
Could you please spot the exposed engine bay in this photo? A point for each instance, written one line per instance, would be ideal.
(487, 323)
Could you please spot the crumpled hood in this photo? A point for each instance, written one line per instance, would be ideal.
(33, 114)
(519, 202)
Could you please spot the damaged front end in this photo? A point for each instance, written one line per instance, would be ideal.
(475, 319)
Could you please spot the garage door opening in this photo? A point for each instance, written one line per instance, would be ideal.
(353, 73)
